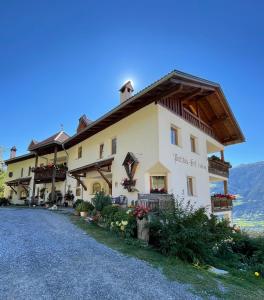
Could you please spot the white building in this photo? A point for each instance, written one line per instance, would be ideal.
(154, 142)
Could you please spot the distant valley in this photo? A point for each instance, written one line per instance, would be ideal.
(247, 181)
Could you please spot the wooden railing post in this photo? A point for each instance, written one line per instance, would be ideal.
(34, 183)
(225, 187)
(54, 175)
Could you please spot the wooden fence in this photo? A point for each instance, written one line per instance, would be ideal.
(156, 201)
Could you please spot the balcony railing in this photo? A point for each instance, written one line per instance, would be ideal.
(174, 104)
(221, 204)
(156, 201)
(44, 174)
(197, 122)
(218, 167)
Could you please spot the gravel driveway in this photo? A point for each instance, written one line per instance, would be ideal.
(44, 256)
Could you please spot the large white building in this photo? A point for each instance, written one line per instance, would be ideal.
(155, 142)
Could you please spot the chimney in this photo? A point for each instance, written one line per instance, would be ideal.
(13, 152)
(126, 91)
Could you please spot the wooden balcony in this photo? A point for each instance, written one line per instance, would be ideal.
(221, 204)
(174, 104)
(194, 120)
(44, 174)
(218, 167)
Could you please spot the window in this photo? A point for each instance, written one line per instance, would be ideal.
(78, 192)
(22, 172)
(96, 187)
(174, 136)
(101, 151)
(79, 152)
(29, 171)
(193, 141)
(23, 195)
(113, 146)
(158, 184)
(191, 186)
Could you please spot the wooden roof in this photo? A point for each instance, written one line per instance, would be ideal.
(215, 110)
(93, 166)
(47, 146)
(19, 181)
(19, 158)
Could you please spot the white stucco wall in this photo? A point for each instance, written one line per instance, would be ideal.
(181, 161)
(145, 133)
(136, 133)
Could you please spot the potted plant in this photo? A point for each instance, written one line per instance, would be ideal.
(83, 208)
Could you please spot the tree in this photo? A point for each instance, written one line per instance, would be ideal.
(2, 182)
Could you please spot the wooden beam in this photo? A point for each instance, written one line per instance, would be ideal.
(81, 182)
(24, 187)
(190, 96)
(34, 183)
(104, 177)
(225, 187)
(54, 175)
(13, 189)
(222, 155)
(219, 119)
(170, 93)
(205, 87)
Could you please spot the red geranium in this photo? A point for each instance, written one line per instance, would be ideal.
(140, 212)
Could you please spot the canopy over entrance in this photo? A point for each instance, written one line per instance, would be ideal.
(24, 182)
(20, 181)
(101, 167)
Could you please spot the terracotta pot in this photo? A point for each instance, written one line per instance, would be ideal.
(84, 214)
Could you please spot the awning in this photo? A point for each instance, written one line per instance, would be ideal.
(19, 181)
(106, 164)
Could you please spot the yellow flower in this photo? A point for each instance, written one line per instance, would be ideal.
(122, 228)
(257, 274)
(124, 223)
(117, 223)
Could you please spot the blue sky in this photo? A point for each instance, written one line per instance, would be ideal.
(60, 59)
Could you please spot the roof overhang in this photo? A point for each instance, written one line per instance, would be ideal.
(47, 148)
(19, 181)
(19, 158)
(187, 86)
(106, 163)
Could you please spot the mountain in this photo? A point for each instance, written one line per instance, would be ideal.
(247, 181)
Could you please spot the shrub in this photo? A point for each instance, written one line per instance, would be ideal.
(4, 202)
(77, 202)
(84, 206)
(250, 251)
(101, 200)
(108, 213)
(187, 233)
(124, 223)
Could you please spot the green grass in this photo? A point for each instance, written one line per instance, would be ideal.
(236, 285)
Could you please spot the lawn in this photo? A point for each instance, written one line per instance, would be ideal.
(236, 285)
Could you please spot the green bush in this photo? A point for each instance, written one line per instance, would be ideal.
(77, 202)
(108, 213)
(124, 223)
(187, 233)
(101, 200)
(84, 206)
(194, 237)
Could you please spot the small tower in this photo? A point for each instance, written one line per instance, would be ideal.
(126, 91)
(13, 152)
